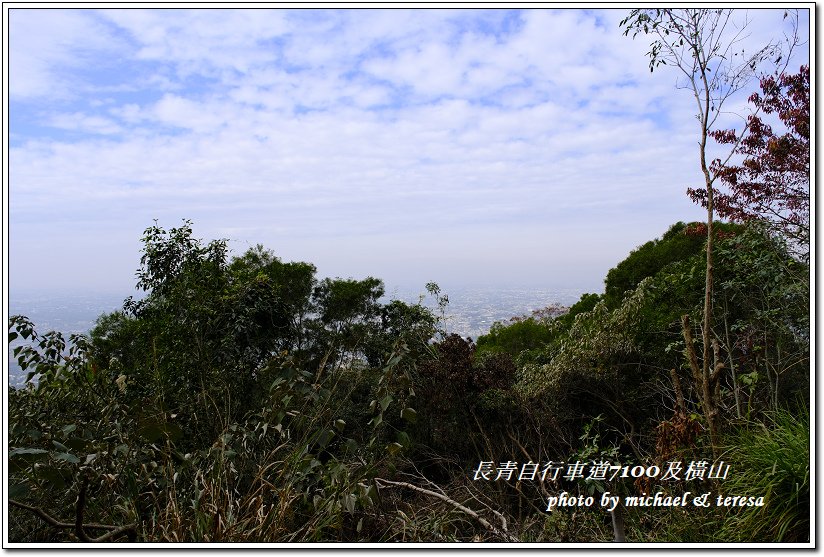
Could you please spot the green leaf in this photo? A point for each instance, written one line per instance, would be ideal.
(394, 448)
(68, 457)
(325, 437)
(385, 402)
(372, 493)
(410, 415)
(349, 501)
(20, 459)
(17, 452)
(339, 425)
(60, 446)
(393, 361)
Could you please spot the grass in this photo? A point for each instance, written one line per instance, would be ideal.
(771, 460)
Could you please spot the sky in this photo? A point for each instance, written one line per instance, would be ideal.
(470, 147)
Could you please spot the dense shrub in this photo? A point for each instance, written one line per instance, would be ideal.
(242, 399)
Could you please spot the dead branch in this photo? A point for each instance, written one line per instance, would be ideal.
(483, 522)
(113, 532)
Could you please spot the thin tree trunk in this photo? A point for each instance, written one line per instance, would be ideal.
(709, 400)
(735, 387)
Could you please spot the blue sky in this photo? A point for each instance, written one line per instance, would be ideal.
(466, 147)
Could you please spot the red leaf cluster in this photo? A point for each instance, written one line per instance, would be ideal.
(773, 181)
(455, 373)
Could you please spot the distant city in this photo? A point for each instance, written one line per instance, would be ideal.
(470, 312)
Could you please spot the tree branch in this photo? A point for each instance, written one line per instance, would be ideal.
(485, 523)
(114, 531)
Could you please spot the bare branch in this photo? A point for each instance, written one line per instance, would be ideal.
(114, 531)
(482, 521)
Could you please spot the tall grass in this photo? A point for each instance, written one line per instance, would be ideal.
(770, 460)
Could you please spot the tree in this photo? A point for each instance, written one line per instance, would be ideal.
(772, 184)
(348, 313)
(705, 46)
(766, 320)
(291, 283)
(647, 259)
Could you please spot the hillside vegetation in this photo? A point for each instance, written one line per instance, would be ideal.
(246, 400)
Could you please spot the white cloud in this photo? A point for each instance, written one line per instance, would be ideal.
(202, 40)
(355, 133)
(85, 123)
(181, 112)
(46, 46)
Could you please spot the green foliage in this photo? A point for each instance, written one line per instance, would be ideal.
(615, 360)
(771, 460)
(680, 243)
(219, 406)
(243, 399)
(516, 337)
(586, 303)
(596, 367)
(348, 313)
(524, 338)
(765, 294)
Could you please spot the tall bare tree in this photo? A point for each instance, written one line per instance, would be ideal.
(706, 46)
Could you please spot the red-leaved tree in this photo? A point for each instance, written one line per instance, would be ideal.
(772, 184)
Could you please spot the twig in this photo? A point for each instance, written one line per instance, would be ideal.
(497, 513)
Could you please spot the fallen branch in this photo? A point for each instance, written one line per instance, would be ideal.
(113, 530)
(483, 522)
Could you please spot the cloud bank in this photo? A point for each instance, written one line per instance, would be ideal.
(462, 146)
